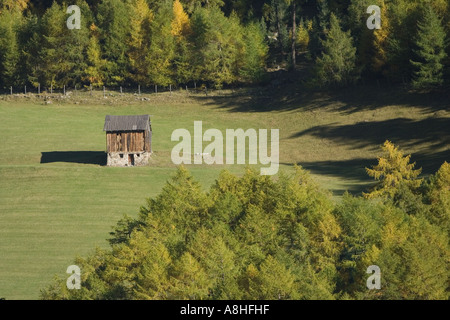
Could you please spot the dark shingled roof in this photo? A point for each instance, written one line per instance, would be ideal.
(127, 123)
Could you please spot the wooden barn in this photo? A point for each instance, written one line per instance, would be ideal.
(128, 140)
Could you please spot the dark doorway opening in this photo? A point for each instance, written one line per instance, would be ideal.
(131, 159)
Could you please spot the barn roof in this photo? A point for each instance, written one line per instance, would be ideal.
(127, 123)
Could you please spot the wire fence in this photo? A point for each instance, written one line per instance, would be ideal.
(106, 91)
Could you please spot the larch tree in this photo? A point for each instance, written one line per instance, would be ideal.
(20, 5)
(181, 30)
(180, 23)
(438, 196)
(255, 53)
(393, 169)
(139, 40)
(94, 73)
(380, 42)
(303, 36)
(162, 47)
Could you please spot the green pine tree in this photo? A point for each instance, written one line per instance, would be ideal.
(255, 54)
(337, 63)
(161, 53)
(10, 22)
(114, 27)
(63, 50)
(431, 44)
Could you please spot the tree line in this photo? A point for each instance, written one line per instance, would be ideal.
(253, 237)
(129, 42)
(223, 42)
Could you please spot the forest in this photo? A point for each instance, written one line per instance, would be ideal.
(203, 233)
(223, 43)
(251, 237)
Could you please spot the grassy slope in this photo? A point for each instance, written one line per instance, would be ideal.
(57, 202)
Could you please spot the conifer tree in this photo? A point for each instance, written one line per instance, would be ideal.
(10, 23)
(214, 255)
(181, 30)
(63, 50)
(337, 63)
(12, 5)
(188, 280)
(303, 37)
(139, 41)
(255, 54)
(217, 46)
(162, 47)
(94, 73)
(29, 66)
(438, 196)
(431, 44)
(277, 13)
(392, 170)
(180, 23)
(114, 27)
(381, 36)
(273, 281)
(53, 55)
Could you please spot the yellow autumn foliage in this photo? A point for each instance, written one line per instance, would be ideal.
(180, 23)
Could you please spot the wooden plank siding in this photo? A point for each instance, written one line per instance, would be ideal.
(128, 141)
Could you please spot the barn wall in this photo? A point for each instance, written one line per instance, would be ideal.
(121, 159)
(132, 141)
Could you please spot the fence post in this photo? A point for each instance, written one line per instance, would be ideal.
(25, 89)
(11, 90)
(64, 89)
(39, 89)
(156, 88)
(104, 92)
(121, 90)
(90, 88)
(51, 88)
(170, 88)
(139, 89)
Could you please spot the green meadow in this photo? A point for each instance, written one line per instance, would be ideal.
(58, 200)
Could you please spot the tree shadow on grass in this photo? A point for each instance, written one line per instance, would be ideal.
(433, 132)
(347, 100)
(84, 157)
(353, 172)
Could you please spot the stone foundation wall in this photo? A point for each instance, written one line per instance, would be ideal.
(125, 159)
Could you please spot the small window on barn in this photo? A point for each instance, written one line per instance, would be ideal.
(138, 155)
(121, 156)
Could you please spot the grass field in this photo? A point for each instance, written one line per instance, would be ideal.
(58, 201)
